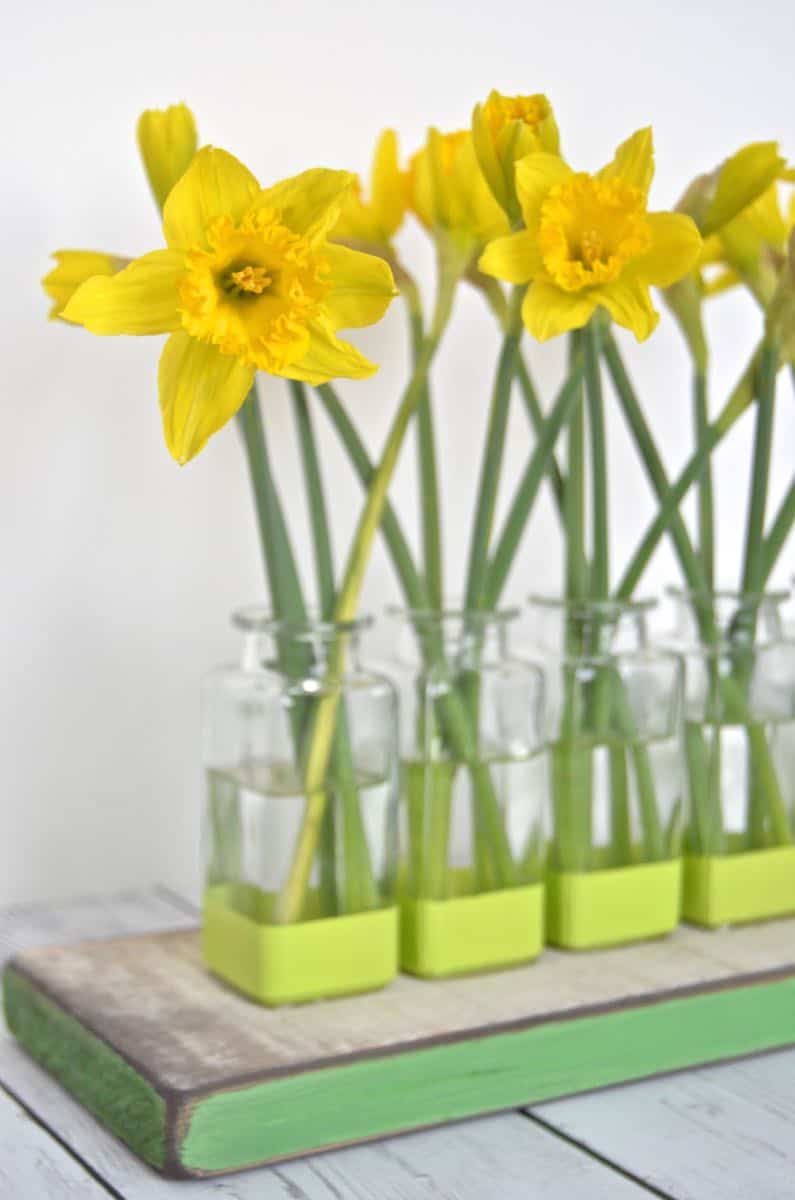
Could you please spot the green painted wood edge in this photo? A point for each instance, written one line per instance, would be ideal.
(96, 1075)
(732, 889)
(439, 938)
(373, 1097)
(591, 909)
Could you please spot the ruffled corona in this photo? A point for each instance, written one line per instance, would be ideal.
(255, 290)
(590, 229)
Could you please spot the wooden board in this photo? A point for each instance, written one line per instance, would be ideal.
(199, 1081)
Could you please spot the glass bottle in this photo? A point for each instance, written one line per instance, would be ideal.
(302, 779)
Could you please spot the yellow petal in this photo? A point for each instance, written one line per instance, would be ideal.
(329, 358)
(629, 304)
(200, 390)
(535, 175)
(167, 140)
(547, 310)
(141, 299)
(633, 161)
(214, 185)
(362, 287)
(721, 282)
(309, 203)
(675, 250)
(74, 267)
(387, 185)
(488, 159)
(740, 180)
(515, 258)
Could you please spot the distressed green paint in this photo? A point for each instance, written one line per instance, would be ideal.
(374, 1097)
(98, 1077)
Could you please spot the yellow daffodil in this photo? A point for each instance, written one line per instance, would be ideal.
(505, 129)
(374, 222)
(247, 282)
(167, 140)
(716, 198)
(590, 242)
(449, 194)
(750, 248)
(72, 268)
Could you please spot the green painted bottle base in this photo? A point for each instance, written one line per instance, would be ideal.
(731, 889)
(465, 934)
(589, 909)
(291, 964)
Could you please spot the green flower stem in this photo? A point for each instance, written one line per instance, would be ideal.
(753, 560)
(706, 516)
(600, 566)
(359, 890)
(491, 465)
(527, 489)
(291, 898)
(316, 501)
(286, 594)
(776, 539)
(668, 509)
(459, 731)
(644, 441)
(620, 826)
(536, 417)
(574, 511)
(413, 586)
(430, 508)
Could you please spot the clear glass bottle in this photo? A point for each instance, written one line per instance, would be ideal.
(472, 718)
(301, 768)
(618, 789)
(740, 720)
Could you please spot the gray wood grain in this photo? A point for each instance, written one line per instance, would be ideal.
(32, 1164)
(153, 1000)
(719, 1133)
(497, 1158)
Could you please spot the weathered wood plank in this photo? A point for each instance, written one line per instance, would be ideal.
(32, 1164)
(719, 1133)
(200, 1082)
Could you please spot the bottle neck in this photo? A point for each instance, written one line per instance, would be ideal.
(459, 637)
(728, 618)
(590, 629)
(299, 649)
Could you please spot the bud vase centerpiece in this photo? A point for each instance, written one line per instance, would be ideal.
(308, 893)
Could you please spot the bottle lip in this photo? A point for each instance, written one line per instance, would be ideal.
(471, 616)
(586, 607)
(255, 618)
(710, 595)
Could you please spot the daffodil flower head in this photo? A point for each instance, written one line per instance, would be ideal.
(167, 140)
(449, 194)
(590, 242)
(715, 198)
(505, 129)
(72, 268)
(751, 248)
(248, 281)
(374, 221)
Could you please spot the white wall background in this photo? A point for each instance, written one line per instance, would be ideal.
(118, 568)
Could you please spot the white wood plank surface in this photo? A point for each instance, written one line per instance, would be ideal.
(32, 1164)
(719, 1133)
(498, 1158)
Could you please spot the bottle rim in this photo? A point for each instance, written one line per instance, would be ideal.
(586, 607)
(478, 617)
(256, 618)
(708, 595)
